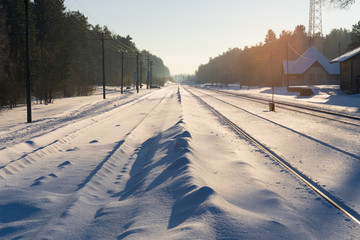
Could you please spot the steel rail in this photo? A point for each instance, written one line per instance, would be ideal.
(290, 129)
(352, 214)
(292, 105)
(289, 108)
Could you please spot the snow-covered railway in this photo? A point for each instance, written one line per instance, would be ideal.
(160, 165)
(329, 195)
(80, 122)
(345, 118)
(316, 140)
(98, 110)
(298, 131)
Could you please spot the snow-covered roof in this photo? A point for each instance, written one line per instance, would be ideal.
(305, 61)
(346, 56)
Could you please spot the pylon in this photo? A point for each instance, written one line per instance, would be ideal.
(315, 19)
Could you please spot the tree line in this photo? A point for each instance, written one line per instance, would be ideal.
(262, 64)
(65, 53)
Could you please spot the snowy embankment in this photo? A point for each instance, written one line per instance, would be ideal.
(153, 166)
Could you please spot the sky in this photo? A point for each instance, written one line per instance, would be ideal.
(186, 33)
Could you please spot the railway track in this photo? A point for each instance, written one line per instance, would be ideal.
(96, 177)
(320, 113)
(354, 156)
(26, 157)
(46, 125)
(348, 211)
(93, 185)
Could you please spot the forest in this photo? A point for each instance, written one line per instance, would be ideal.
(65, 54)
(261, 64)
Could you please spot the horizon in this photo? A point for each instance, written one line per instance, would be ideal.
(185, 39)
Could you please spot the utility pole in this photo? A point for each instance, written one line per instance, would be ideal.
(272, 104)
(212, 78)
(103, 63)
(151, 64)
(287, 66)
(28, 83)
(258, 73)
(141, 68)
(122, 72)
(339, 56)
(148, 72)
(137, 72)
(216, 77)
(272, 76)
(227, 76)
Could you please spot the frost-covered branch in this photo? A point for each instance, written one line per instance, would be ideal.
(341, 3)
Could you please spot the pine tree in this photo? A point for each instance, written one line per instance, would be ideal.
(354, 37)
(330, 45)
(53, 63)
(14, 67)
(4, 55)
(78, 82)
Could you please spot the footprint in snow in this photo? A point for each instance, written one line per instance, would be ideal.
(38, 181)
(31, 143)
(40, 178)
(52, 175)
(62, 165)
(73, 149)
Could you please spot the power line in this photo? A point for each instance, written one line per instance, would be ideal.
(121, 45)
(291, 47)
(114, 45)
(85, 10)
(78, 22)
(91, 31)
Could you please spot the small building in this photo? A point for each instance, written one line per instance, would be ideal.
(349, 70)
(311, 68)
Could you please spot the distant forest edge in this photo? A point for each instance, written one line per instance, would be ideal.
(65, 53)
(251, 66)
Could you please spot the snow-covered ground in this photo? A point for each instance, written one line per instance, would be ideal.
(327, 97)
(159, 165)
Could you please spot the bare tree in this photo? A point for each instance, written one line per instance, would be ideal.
(341, 3)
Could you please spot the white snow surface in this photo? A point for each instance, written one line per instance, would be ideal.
(160, 165)
(346, 56)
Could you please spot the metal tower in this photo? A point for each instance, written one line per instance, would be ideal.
(315, 19)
